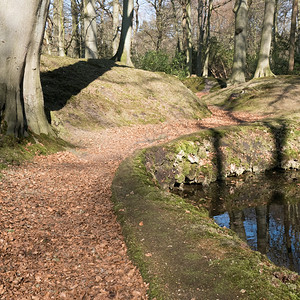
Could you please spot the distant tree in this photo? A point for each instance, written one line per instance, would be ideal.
(263, 66)
(206, 44)
(158, 6)
(124, 50)
(21, 99)
(75, 29)
(90, 29)
(240, 36)
(187, 32)
(293, 36)
(58, 27)
(116, 9)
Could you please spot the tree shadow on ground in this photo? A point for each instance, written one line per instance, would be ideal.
(61, 84)
(279, 130)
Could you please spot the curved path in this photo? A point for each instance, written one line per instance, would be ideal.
(59, 238)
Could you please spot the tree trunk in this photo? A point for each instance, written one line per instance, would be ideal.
(179, 42)
(22, 26)
(240, 37)
(159, 22)
(189, 50)
(59, 32)
(75, 30)
(207, 40)
(115, 41)
(201, 21)
(90, 30)
(263, 66)
(124, 50)
(293, 36)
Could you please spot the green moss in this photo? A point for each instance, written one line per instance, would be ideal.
(14, 151)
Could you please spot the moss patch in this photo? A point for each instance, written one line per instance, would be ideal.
(218, 153)
(14, 151)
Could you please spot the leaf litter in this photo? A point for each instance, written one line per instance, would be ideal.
(59, 237)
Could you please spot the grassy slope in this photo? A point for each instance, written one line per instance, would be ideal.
(99, 93)
(274, 97)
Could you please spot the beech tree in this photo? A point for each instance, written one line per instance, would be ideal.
(240, 36)
(263, 66)
(116, 8)
(90, 29)
(124, 50)
(58, 27)
(22, 26)
(75, 30)
(293, 36)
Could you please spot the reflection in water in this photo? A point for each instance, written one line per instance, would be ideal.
(263, 211)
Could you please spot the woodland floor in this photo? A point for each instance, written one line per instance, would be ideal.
(59, 237)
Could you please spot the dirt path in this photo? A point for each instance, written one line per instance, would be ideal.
(59, 238)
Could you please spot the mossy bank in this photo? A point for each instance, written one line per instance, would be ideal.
(14, 151)
(96, 94)
(180, 251)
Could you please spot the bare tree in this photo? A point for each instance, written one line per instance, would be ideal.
(263, 66)
(207, 40)
(240, 36)
(293, 36)
(75, 29)
(116, 9)
(58, 27)
(90, 29)
(124, 50)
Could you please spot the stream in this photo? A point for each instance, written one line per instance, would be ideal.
(263, 210)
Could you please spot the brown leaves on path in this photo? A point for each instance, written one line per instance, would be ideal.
(59, 237)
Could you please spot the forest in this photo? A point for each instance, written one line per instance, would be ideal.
(221, 38)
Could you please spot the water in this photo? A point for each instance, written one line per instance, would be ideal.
(263, 210)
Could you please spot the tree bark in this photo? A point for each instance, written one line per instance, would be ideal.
(124, 50)
(22, 26)
(240, 37)
(75, 30)
(158, 4)
(207, 40)
(293, 36)
(263, 66)
(201, 21)
(115, 41)
(179, 42)
(189, 50)
(90, 30)
(59, 32)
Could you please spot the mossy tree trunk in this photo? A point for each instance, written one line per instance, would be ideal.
(124, 50)
(22, 26)
(263, 66)
(239, 60)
